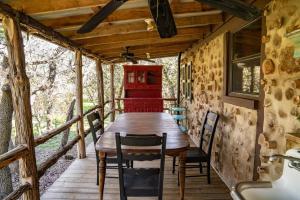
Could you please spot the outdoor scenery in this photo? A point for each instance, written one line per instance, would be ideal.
(51, 71)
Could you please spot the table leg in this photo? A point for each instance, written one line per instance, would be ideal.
(182, 157)
(102, 173)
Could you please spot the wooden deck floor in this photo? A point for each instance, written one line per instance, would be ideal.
(79, 182)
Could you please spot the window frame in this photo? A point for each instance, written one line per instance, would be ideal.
(240, 99)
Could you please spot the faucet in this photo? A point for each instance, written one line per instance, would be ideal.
(294, 162)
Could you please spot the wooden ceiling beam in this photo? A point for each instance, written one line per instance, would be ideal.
(116, 38)
(36, 28)
(140, 26)
(145, 41)
(152, 51)
(206, 17)
(122, 14)
(39, 7)
(153, 56)
(147, 49)
(47, 6)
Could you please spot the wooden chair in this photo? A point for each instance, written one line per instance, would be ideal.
(97, 130)
(141, 182)
(202, 154)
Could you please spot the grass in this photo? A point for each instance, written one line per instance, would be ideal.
(54, 143)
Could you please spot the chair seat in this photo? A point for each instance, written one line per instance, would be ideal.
(179, 117)
(178, 109)
(183, 129)
(141, 182)
(194, 154)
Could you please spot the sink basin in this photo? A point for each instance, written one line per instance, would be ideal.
(287, 187)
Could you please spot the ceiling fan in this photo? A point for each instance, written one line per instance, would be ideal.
(129, 57)
(160, 10)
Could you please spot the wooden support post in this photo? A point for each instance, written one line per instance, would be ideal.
(178, 79)
(112, 93)
(79, 105)
(99, 73)
(20, 88)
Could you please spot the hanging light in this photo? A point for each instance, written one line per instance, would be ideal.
(150, 24)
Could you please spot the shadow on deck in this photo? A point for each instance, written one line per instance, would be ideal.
(79, 182)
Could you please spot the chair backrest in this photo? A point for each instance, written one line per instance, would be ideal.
(208, 130)
(141, 141)
(95, 125)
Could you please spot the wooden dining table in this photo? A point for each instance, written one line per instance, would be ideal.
(143, 123)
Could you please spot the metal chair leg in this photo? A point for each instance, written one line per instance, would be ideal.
(97, 182)
(200, 167)
(208, 172)
(131, 163)
(174, 164)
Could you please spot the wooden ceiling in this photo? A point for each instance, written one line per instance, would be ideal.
(125, 27)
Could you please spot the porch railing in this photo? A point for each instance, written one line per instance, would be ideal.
(22, 150)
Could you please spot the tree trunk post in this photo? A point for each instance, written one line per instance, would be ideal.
(79, 105)
(112, 93)
(178, 79)
(20, 88)
(100, 85)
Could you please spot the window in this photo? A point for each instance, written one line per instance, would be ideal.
(141, 77)
(130, 77)
(186, 77)
(244, 61)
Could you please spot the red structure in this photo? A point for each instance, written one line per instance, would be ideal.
(143, 88)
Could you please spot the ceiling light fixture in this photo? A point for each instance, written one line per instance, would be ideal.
(150, 24)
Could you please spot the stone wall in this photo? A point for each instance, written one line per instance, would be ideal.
(234, 145)
(234, 142)
(281, 83)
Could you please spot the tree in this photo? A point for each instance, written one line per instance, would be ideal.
(6, 113)
(70, 113)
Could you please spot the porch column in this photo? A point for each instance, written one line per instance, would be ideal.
(112, 93)
(79, 104)
(20, 88)
(99, 73)
(178, 79)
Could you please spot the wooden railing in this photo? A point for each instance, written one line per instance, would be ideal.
(22, 150)
(5, 159)
(13, 155)
(42, 168)
(164, 100)
(18, 192)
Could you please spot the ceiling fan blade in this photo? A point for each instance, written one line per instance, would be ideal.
(132, 59)
(237, 8)
(163, 17)
(100, 16)
(145, 59)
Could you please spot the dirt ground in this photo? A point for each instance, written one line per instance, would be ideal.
(53, 173)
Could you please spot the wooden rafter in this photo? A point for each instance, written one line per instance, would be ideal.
(35, 7)
(141, 26)
(122, 14)
(59, 22)
(41, 30)
(90, 42)
(145, 41)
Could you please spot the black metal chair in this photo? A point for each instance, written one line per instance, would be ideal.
(141, 182)
(202, 154)
(97, 130)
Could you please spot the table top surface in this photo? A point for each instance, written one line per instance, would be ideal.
(144, 123)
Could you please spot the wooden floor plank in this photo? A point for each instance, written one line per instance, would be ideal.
(79, 182)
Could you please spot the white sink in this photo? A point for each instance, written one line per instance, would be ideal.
(287, 187)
